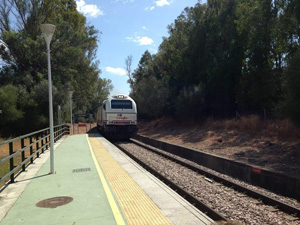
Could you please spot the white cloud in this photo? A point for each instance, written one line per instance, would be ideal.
(141, 40)
(160, 3)
(123, 1)
(144, 28)
(88, 9)
(145, 41)
(150, 8)
(117, 71)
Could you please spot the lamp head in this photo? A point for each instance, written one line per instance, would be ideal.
(48, 29)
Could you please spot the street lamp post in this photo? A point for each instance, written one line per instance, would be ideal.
(71, 93)
(48, 30)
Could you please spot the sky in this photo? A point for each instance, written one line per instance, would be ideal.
(128, 27)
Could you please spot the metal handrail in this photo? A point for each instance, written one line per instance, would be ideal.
(59, 131)
(27, 135)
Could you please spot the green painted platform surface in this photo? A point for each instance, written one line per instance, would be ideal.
(89, 205)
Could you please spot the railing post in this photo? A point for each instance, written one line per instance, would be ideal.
(42, 136)
(23, 153)
(31, 150)
(11, 162)
(61, 131)
(47, 140)
(37, 146)
(55, 134)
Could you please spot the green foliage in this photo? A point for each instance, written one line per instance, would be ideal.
(259, 80)
(73, 64)
(147, 92)
(148, 89)
(9, 113)
(222, 56)
(8, 104)
(290, 107)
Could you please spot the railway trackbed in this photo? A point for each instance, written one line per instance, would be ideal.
(217, 195)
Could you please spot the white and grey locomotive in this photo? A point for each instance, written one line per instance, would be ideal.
(117, 117)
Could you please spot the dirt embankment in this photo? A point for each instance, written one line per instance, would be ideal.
(271, 146)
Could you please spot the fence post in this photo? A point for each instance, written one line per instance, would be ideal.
(54, 134)
(65, 130)
(48, 141)
(42, 137)
(31, 150)
(11, 162)
(37, 146)
(61, 128)
(23, 153)
(59, 132)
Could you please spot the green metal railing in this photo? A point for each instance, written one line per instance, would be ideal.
(37, 142)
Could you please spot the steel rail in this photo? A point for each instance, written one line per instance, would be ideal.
(193, 200)
(252, 193)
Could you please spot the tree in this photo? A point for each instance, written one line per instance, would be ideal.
(222, 56)
(73, 63)
(260, 83)
(149, 92)
(128, 62)
(9, 113)
(290, 107)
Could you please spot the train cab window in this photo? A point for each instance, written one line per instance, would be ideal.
(104, 106)
(121, 104)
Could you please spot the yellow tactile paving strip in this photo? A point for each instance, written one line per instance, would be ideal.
(137, 207)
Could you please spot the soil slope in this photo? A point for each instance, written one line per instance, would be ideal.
(254, 148)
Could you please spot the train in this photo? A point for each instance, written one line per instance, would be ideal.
(117, 117)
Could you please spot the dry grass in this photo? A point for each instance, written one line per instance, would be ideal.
(247, 125)
(268, 144)
(253, 125)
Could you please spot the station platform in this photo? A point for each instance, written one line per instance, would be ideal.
(94, 183)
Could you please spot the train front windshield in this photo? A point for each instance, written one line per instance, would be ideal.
(121, 104)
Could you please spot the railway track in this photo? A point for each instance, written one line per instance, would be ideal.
(221, 198)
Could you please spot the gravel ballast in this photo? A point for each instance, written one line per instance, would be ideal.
(232, 204)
